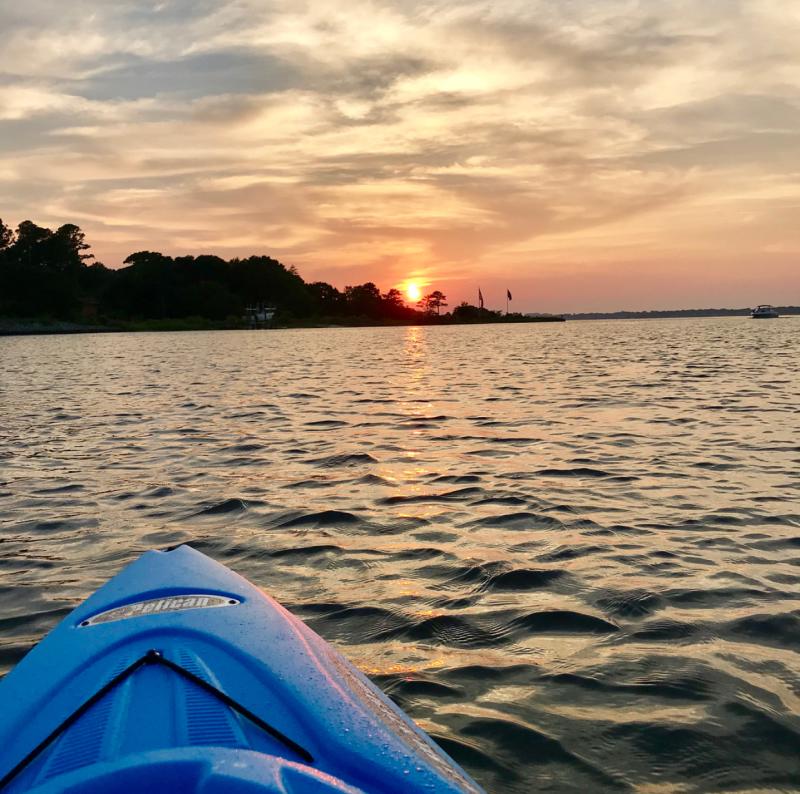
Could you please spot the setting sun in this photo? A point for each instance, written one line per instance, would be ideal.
(413, 292)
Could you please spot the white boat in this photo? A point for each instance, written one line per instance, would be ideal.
(764, 312)
(259, 315)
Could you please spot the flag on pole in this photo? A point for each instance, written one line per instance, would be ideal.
(480, 297)
(508, 293)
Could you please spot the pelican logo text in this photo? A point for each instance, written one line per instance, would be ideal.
(156, 606)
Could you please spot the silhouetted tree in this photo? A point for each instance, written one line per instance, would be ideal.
(327, 300)
(43, 270)
(27, 247)
(144, 289)
(466, 313)
(393, 297)
(394, 307)
(433, 302)
(6, 236)
(95, 278)
(262, 279)
(363, 300)
(64, 250)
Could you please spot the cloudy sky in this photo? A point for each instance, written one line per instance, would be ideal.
(587, 154)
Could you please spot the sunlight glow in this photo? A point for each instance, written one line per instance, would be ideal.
(413, 292)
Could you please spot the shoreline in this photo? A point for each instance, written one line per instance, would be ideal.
(10, 327)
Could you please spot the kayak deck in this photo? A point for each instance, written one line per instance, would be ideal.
(180, 675)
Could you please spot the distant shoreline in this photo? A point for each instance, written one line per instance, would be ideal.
(666, 314)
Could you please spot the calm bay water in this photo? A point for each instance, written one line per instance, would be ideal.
(571, 552)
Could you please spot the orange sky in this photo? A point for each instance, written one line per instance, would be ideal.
(598, 154)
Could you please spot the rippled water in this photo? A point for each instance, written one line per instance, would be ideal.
(569, 551)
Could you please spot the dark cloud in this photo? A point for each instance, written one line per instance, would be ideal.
(353, 168)
(193, 76)
(27, 134)
(768, 152)
(367, 77)
(723, 115)
(619, 52)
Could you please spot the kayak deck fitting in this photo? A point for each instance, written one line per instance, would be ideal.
(179, 675)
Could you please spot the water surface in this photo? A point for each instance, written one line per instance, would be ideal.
(569, 551)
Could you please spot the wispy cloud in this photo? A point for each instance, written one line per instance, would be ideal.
(578, 150)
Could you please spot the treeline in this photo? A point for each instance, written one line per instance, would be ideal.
(51, 274)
